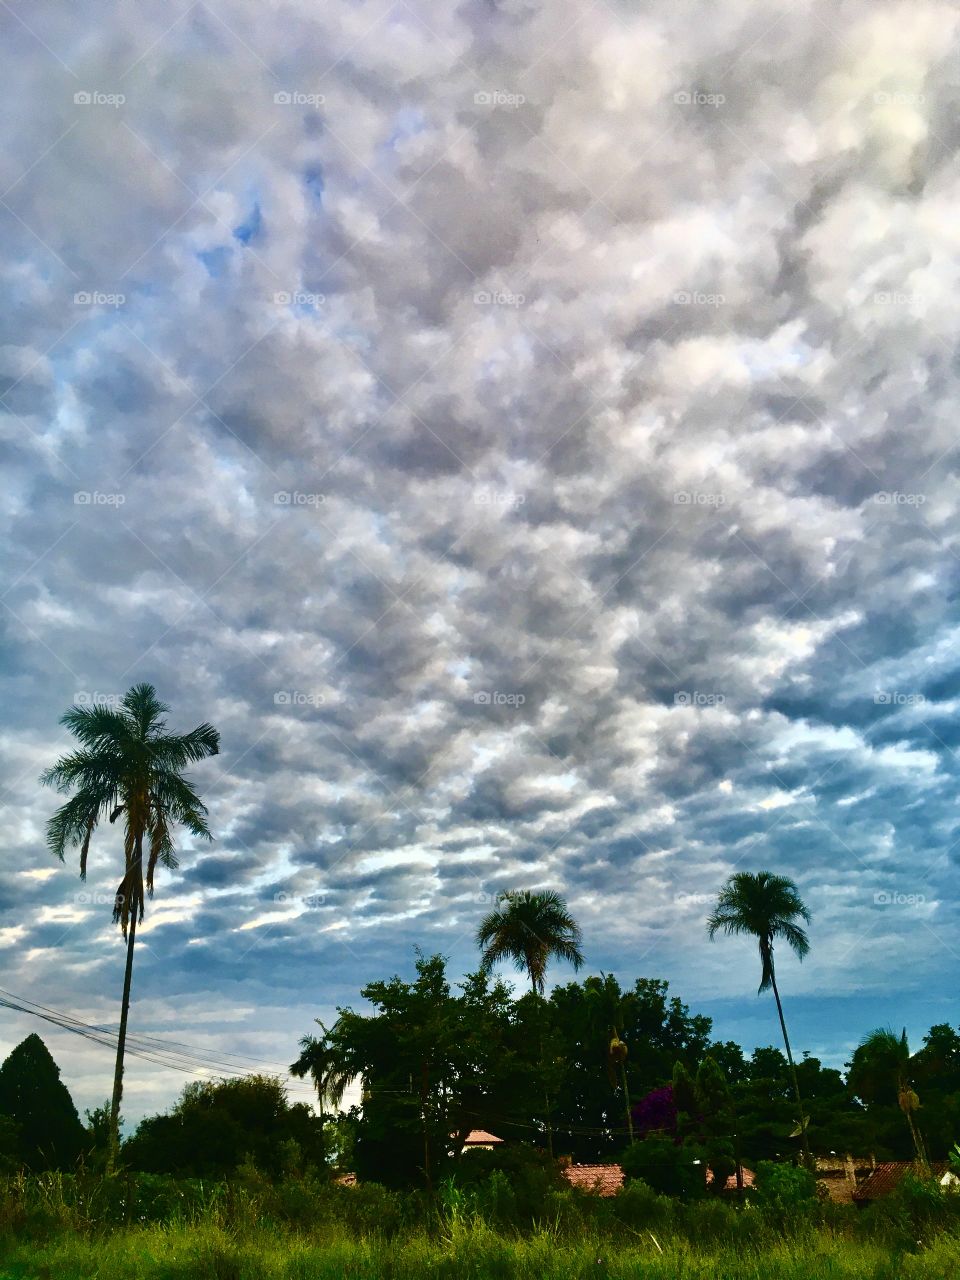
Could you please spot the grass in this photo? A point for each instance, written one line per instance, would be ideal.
(466, 1252)
(148, 1227)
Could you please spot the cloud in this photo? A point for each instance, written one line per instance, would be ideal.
(531, 444)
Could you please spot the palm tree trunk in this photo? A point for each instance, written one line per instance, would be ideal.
(546, 1092)
(807, 1158)
(626, 1099)
(114, 1147)
(917, 1140)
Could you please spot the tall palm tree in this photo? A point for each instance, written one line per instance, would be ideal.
(881, 1066)
(128, 764)
(320, 1060)
(530, 929)
(768, 908)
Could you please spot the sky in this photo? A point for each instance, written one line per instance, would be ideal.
(529, 434)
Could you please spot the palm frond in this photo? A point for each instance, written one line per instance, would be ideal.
(127, 764)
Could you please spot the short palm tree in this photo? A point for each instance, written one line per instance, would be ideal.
(881, 1065)
(320, 1060)
(530, 929)
(128, 764)
(768, 908)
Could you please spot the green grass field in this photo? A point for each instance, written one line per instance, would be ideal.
(470, 1253)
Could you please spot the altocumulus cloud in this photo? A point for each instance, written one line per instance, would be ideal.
(532, 442)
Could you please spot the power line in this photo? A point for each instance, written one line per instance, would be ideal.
(175, 1055)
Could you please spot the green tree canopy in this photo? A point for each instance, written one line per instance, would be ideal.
(49, 1134)
(216, 1126)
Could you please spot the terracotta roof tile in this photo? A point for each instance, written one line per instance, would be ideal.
(480, 1137)
(599, 1179)
(887, 1177)
(607, 1179)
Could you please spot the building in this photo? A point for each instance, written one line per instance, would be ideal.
(607, 1179)
(480, 1140)
(888, 1175)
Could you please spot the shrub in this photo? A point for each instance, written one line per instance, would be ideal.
(638, 1206)
(666, 1166)
(785, 1188)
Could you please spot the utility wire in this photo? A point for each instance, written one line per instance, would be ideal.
(192, 1060)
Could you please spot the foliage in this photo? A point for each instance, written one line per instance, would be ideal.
(529, 929)
(128, 764)
(669, 1167)
(766, 907)
(43, 1130)
(784, 1188)
(656, 1112)
(881, 1070)
(218, 1126)
(436, 1064)
(230, 1236)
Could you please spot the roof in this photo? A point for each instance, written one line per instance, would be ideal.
(887, 1177)
(598, 1179)
(607, 1179)
(480, 1138)
(731, 1182)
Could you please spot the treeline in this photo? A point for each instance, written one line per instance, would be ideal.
(436, 1060)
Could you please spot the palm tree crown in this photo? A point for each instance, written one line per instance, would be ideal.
(766, 907)
(128, 764)
(325, 1067)
(530, 928)
(882, 1065)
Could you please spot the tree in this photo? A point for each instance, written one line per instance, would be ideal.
(767, 907)
(128, 764)
(434, 1065)
(218, 1125)
(320, 1060)
(529, 929)
(881, 1068)
(49, 1134)
(586, 1106)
